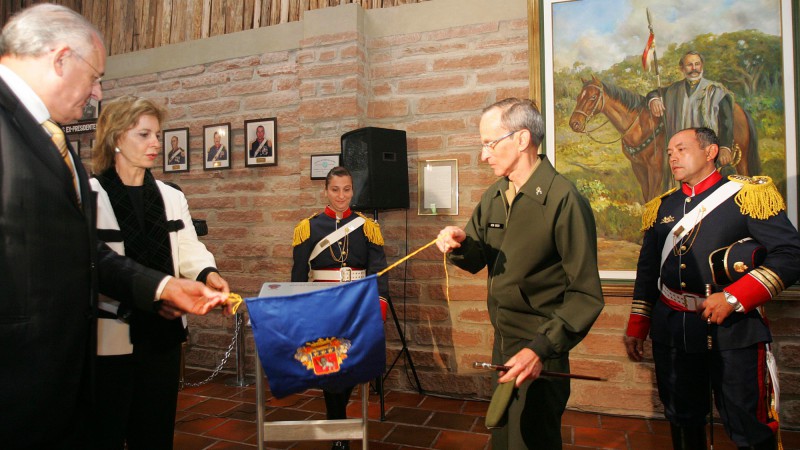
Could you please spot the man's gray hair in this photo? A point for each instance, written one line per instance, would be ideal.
(33, 31)
(520, 114)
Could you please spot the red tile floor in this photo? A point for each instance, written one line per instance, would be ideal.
(217, 416)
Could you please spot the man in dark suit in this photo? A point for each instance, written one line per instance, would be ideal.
(177, 155)
(217, 152)
(51, 263)
(261, 147)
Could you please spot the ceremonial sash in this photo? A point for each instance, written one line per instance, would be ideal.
(337, 234)
(258, 149)
(688, 222)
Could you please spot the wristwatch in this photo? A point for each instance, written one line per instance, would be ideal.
(733, 301)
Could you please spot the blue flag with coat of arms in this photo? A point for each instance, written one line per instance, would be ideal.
(330, 338)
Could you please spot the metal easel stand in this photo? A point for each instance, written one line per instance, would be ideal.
(309, 430)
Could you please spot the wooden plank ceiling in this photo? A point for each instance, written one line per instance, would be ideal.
(130, 25)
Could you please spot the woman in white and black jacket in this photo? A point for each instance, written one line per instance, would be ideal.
(139, 353)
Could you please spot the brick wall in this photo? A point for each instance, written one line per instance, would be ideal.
(431, 83)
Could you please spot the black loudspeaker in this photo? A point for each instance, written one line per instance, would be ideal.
(377, 159)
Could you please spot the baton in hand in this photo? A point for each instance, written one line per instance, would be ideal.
(544, 373)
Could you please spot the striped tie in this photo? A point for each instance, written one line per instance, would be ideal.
(57, 135)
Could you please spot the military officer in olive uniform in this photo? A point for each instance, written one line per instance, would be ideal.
(339, 245)
(683, 228)
(536, 235)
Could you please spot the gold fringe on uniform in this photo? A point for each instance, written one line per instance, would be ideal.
(758, 198)
(302, 231)
(371, 230)
(651, 210)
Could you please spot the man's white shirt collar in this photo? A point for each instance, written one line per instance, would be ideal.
(27, 97)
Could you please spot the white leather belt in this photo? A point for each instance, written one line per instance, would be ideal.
(341, 275)
(685, 301)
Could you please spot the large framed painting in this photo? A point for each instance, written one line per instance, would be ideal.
(607, 63)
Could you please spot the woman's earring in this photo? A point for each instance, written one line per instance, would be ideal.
(116, 150)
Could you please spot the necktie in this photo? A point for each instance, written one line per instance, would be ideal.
(57, 135)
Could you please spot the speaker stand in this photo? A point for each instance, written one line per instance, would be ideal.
(403, 350)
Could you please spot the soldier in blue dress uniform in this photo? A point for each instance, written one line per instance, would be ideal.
(355, 252)
(683, 228)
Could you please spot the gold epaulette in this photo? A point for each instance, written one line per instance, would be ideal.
(302, 231)
(758, 198)
(650, 213)
(372, 230)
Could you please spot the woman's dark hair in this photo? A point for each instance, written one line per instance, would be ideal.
(337, 171)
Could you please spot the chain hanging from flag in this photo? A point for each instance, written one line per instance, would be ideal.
(331, 338)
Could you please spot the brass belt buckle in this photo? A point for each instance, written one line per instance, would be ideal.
(345, 274)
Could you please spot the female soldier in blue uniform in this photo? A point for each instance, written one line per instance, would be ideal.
(353, 249)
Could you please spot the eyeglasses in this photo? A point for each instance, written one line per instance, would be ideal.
(489, 146)
(98, 77)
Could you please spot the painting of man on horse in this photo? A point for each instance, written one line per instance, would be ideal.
(643, 133)
(611, 119)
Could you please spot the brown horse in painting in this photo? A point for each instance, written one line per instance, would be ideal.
(642, 135)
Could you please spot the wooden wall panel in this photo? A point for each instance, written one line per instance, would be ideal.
(130, 25)
(196, 19)
(233, 16)
(249, 10)
(217, 19)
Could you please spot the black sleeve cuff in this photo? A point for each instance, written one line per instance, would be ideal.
(204, 274)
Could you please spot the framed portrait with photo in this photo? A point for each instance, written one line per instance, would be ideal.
(261, 147)
(176, 150)
(216, 146)
(90, 111)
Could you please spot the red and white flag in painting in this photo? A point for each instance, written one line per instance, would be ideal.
(649, 53)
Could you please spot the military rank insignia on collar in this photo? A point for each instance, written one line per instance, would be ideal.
(667, 219)
(499, 226)
(324, 356)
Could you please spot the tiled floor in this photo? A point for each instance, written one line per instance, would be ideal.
(217, 416)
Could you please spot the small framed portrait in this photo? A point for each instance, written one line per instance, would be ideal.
(322, 164)
(216, 146)
(176, 150)
(261, 144)
(90, 111)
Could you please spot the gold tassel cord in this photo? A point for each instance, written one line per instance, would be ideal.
(409, 256)
(235, 300)
(412, 254)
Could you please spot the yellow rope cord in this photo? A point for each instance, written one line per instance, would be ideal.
(402, 260)
(236, 299)
(410, 255)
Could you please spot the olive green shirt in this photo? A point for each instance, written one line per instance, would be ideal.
(541, 253)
